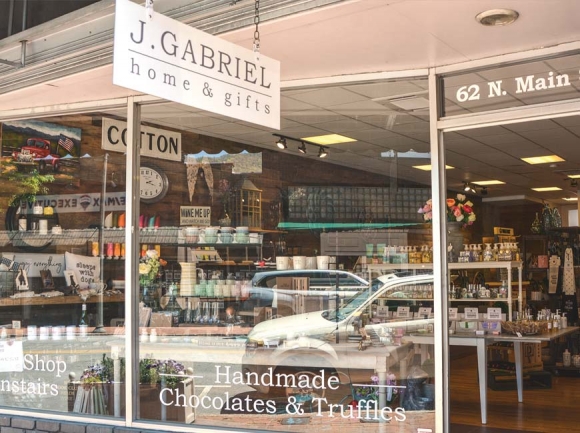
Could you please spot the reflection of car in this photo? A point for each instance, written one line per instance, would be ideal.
(308, 340)
(37, 149)
(265, 292)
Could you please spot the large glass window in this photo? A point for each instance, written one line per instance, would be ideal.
(290, 286)
(62, 268)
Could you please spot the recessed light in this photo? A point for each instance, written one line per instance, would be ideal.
(547, 188)
(543, 159)
(488, 182)
(570, 198)
(427, 167)
(497, 17)
(328, 139)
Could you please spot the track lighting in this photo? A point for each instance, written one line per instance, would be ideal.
(467, 187)
(282, 145)
(483, 190)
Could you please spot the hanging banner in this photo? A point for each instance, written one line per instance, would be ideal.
(155, 142)
(166, 58)
(68, 203)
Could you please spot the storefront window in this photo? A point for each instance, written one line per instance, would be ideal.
(279, 285)
(285, 288)
(62, 268)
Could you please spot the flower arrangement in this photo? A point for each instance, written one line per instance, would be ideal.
(370, 392)
(458, 209)
(153, 370)
(150, 265)
(101, 372)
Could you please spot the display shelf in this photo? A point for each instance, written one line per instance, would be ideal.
(509, 265)
(58, 300)
(161, 236)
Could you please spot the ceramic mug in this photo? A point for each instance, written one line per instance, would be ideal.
(322, 262)
(282, 263)
(299, 262)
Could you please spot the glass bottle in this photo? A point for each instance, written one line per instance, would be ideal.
(22, 223)
(83, 321)
(172, 306)
(536, 225)
(488, 253)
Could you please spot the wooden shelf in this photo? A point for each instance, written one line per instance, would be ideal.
(58, 300)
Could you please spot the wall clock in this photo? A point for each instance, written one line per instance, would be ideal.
(153, 184)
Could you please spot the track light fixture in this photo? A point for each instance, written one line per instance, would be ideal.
(467, 187)
(281, 143)
(483, 190)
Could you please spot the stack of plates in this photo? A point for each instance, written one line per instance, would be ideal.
(188, 279)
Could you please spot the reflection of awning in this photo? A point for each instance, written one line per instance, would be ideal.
(243, 162)
(346, 226)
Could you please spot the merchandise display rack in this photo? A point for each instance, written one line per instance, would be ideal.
(508, 265)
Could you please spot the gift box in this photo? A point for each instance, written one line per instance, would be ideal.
(542, 261)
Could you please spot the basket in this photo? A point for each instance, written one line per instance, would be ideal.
(525, 327)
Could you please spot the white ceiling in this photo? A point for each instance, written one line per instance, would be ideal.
(369, 36)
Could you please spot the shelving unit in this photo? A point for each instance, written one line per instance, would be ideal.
(509, 266)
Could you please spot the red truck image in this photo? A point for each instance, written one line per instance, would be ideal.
(37, 150)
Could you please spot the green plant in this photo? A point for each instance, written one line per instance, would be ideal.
(153, 371)
(25, 186)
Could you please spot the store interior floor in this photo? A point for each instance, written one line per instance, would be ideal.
(543, 410)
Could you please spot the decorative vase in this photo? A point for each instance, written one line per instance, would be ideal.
(455, 239)
(536, 225)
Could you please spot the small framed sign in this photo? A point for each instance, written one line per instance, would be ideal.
(471, 314)
(494, 314)
(403, 312)
(453, 314)
(425, 311)
(382, 311)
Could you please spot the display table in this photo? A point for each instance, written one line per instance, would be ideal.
(480, 342)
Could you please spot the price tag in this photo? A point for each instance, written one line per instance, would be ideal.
(471, 314)
(453, 314)
(425, 311)
(403, 312)
(494, 314)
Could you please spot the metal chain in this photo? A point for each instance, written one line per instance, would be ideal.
(257, 31)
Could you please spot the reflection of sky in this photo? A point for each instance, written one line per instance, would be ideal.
(48, 128)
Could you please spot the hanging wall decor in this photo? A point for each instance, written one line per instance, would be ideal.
(243, 162)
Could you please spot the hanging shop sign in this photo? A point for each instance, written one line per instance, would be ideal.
(155, 142)
(518, 85)
(194, 215)
(166, 58)
(69, 203)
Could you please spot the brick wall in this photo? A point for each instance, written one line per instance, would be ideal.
(14, 424)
